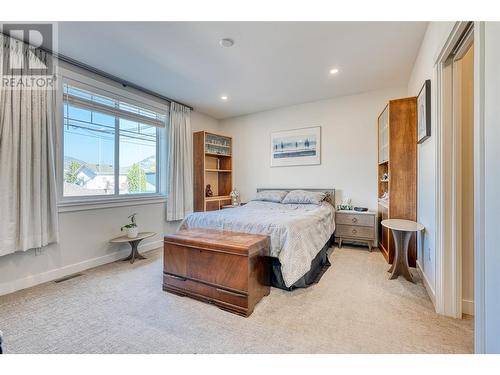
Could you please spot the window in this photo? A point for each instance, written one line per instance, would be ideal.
(111, 146)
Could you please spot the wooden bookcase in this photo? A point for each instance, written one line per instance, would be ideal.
(212, 159)
(397, 156)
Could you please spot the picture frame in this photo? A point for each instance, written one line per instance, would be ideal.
(296, 147)
(424, 112)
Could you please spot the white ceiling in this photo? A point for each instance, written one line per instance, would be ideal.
(272, 64)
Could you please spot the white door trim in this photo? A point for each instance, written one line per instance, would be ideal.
(447, 263)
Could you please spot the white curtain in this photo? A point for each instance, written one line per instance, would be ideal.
(27, 165)
(179, 163)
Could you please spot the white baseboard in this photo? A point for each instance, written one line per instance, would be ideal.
(427, 284)
(468, 307)
(32, 280)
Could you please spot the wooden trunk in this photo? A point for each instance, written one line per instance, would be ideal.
(227, 269)
(397, 127)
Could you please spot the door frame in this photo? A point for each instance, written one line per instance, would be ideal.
(448, 251)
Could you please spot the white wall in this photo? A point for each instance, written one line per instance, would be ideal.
(491, 261)
(201, 121)
(423, 69)
(84, 237)
(348, 146)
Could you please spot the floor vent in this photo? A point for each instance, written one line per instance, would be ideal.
(67, 278)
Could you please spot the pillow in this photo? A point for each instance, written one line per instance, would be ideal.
(304, 197)
(270, 195)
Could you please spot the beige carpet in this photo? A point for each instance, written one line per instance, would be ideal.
(120, 308)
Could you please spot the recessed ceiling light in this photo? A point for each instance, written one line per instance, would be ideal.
(226, 42)
(223, 97)
(334, 71)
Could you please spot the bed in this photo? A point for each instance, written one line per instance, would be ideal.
(300, 234)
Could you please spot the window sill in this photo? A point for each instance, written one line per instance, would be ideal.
(98, 204)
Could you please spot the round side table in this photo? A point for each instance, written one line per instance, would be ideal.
(401, 231)
(134, 243)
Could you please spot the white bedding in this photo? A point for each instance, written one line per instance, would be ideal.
(297, 231)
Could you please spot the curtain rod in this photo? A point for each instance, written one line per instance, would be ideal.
(104, 74)
(112, 77)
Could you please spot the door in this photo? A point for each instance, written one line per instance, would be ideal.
(463, 83)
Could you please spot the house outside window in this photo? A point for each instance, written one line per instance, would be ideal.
(112, 146)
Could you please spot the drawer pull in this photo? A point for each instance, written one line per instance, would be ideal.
(177, 277)
(354, 220)
(230, 293)
(354, 231)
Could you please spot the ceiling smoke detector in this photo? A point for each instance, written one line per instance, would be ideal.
(226, 42)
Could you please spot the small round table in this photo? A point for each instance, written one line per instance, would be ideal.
(134, 243)
(402, 231)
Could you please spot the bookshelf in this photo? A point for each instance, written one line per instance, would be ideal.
(212, 158)
(397, 157)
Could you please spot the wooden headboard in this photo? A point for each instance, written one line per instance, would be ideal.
(330, 197)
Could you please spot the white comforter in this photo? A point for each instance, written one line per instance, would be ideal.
(298, 231)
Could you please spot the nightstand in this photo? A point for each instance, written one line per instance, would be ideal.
(356, 226)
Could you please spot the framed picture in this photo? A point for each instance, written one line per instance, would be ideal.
(424, 112)
(296, 147)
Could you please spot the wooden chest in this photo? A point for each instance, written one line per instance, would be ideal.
(228, 269)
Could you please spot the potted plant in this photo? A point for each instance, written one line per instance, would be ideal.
(131, 228)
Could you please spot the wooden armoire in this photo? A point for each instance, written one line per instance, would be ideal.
(397, 171)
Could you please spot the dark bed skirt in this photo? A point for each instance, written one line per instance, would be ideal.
(319, 265)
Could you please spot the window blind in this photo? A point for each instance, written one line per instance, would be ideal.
(80, 98)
